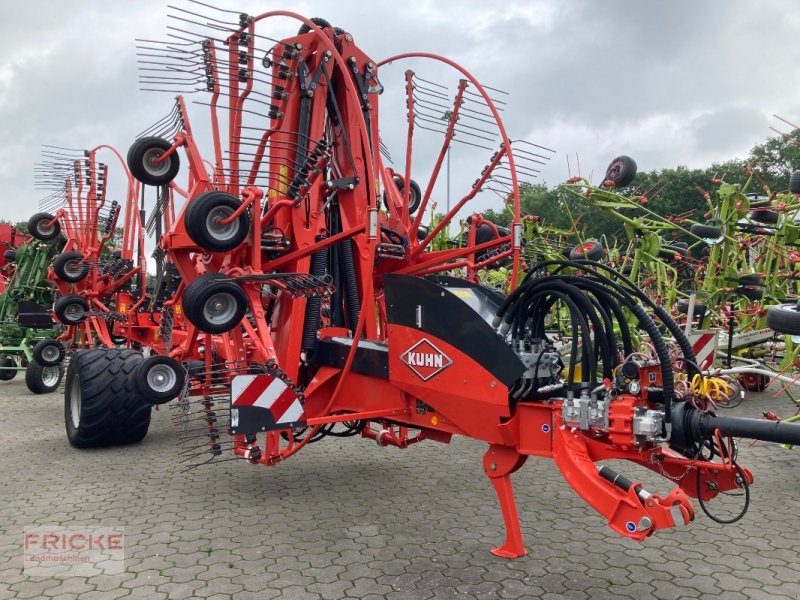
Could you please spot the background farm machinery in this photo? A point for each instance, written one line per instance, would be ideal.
(103, 297)
(25, 320)
(308, 311)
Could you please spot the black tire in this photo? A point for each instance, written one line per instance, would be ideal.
(767, 217)
(784, 318)
(5, 373)
(751, 279)
(195, 368)
(484, 234)
(794, 182)
(37, 227)
(682, 306)
(41, 379)
(141, 161)
(49, 353)
(668, 251)
(71, 309)
(319, 22)
(70, 267)
(753, 382)
(587, 251)
(202, 290)
(761, 202)
(568, 250)
(414, 199)
(10, 255)
(159, 379)
(706, 231)
(118, 340)
(752, 293)
(621, 171)
(202, 218)
(109, 411)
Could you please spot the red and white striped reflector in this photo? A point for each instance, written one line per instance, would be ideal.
(705, 348)
(267, 392)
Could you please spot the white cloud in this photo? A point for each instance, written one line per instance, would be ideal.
(669, 83)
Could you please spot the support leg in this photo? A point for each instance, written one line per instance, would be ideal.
(499, 462)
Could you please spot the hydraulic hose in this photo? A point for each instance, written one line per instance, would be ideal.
(311, 323)
(352, 300)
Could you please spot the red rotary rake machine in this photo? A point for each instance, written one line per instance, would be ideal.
(311, 312)
(101, 273)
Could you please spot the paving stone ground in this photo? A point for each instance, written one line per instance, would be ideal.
(346, 519)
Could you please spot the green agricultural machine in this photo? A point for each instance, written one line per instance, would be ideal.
(25, 319)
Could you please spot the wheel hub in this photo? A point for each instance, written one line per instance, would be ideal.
(220, 308)
(50, 376)
(161, 378)
(220, 231)
(150, 163)
(50, 353)
(73, 268)
(73, 312)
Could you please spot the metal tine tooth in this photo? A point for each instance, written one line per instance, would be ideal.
(426, 102)
(522, 163)
(172, 52)
(507, 186)
(286, 132)
(172, 116)
(246, 140)
(429, 119)
(527, 143)
(477, 115)
(197, 416)
(170, 55)
(188, 444)
(234, 12)
(244, 110)
(494, 89)
(210, 26)
(307, 153)
(250, 98)
(173, 71)
(149, 41)
(519, 168)
(454, 139)
(483, 100)
(522, 157)
(423, 91)
(73, 150)
(425, 105)
(439, 85)
(212, 460)
(206, 449)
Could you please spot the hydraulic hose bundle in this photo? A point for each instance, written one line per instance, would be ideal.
(597, 300)
(596, 304)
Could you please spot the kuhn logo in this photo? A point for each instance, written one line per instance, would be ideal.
(425, 359)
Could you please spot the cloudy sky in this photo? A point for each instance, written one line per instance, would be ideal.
(667, 82)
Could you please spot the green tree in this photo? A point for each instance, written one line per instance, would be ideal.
(776, 159)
